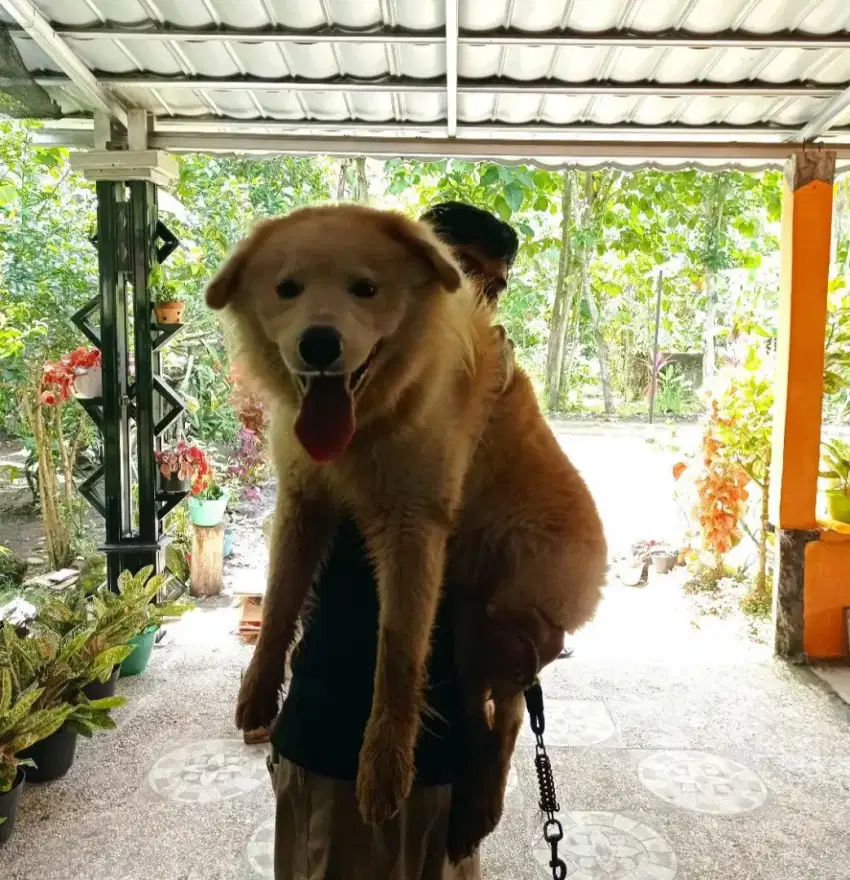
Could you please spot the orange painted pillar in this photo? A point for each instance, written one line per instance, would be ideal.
(805, 251)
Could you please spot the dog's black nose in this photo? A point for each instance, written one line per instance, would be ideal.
(319, 347)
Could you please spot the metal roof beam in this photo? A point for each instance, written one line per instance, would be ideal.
(822, 121)
(28, 17)
(625, 38)
(210, 125)
(746, 88)
(452, 27)
(485, 148)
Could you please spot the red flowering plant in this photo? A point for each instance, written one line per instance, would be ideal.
(187, 462)
(59, 376)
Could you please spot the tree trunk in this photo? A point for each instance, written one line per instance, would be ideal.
(709, 363)
(761, 575)
(562, 306)
(207, 566)
(343, 172)
(362, 180)
(601, 348)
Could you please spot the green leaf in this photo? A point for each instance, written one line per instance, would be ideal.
(105, 703)
(502, 208)
(514, 196)
(491, 176)
(112, 657)
(5, 690)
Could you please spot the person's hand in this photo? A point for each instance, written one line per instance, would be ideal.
(518, 644)
(507, 356)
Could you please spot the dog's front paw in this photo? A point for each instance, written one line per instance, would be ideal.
(385, 771)
(257, 703)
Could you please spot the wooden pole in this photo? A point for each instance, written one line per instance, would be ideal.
(207, 569)
(652, 387)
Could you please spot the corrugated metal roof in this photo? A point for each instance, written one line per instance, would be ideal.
(661, 70)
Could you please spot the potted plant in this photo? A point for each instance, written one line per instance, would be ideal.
(207, 502)
(165, 297)
(181, 466)
(836, 458)
(65, 649)
(137, 597)
(21, 725)
(88, 372)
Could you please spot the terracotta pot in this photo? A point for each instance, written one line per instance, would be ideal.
(169, 312)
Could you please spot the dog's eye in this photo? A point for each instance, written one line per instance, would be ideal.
(363, 288)
(288, 289)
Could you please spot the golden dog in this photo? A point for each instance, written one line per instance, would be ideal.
(377, 356)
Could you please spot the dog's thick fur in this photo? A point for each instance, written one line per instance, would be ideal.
(441, 457)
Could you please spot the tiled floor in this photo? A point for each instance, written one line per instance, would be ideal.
(679, 754)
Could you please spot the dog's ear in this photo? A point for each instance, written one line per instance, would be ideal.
(225, 282)
(425, 245)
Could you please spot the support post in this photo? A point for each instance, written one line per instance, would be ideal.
(112, 256)
(805, 249)
(127, 234)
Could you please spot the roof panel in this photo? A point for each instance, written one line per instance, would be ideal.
(511, 78)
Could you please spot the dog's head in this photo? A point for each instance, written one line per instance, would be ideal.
(329, 289)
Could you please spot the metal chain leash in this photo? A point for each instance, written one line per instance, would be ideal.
(553, 831)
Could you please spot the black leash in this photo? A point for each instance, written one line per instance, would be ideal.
(553, 831)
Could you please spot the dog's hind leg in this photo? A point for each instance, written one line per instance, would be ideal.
(301, 532)
(409, 552)
(478, 796)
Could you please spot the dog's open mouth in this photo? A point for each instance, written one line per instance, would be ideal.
(326, 421)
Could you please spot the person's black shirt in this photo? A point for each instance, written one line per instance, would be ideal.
(321, 725)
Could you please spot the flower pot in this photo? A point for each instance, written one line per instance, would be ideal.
(142, 649)
(169, 312)
(53, 755)
(173, 483)
(664, 561)
(207, 513)
(228, 542)
(9, 806)
(96, 690)
(89, 384)
(838, 505)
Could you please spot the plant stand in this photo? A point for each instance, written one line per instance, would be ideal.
(207, 567)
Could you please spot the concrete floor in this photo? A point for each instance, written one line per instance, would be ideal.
(681, 750)
(678, 753)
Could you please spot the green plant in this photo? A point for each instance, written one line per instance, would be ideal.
(12, 569)
(56, 668)
(163, 289)
(136, 596)
(21, 724)
(210, 490)
(836, 462)
(671, 393)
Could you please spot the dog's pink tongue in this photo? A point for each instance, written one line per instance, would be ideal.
(325, 424)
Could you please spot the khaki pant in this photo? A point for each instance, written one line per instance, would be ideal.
(319, 834)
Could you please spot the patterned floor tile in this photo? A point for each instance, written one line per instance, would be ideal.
(609, 846)
(702, 782)
(261, 850)
(209, 771)
(575, 723)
